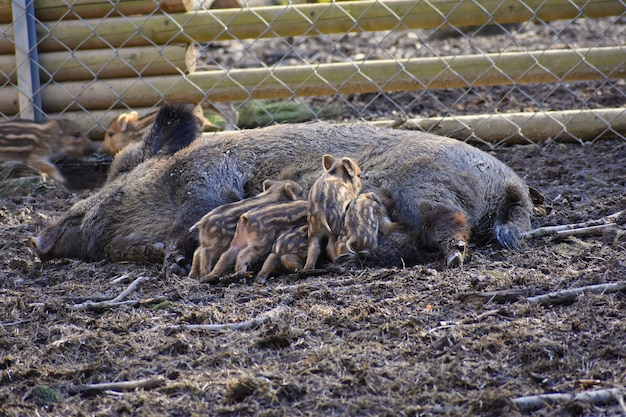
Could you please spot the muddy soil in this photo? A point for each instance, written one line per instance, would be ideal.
(418, 340)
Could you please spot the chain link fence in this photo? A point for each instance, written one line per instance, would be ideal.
(497, 71)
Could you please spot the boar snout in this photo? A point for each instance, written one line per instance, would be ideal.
(37, 244)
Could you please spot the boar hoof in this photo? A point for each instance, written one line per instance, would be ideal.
(364, 254)
(456, 258)
(260, 280)
(344, 257)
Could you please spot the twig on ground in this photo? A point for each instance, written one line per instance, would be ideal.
(585, 231)
(148, 383)
(117, 301)
(469, 320)
(554, 230)
(598, 397)
(564, 296)
(553, 298)
(243, 325)
(498, 296)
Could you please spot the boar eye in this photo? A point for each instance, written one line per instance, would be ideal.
(77, 136)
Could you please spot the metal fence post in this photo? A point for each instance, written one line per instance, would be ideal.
(27, 60)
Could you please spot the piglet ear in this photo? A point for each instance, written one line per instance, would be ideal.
(328, 161)
(267, 184)
(351, 167)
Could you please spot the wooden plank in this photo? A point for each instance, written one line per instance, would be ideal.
(108, 63)
(524, 127)
(55, 10)
(303, 20)
(337, 78)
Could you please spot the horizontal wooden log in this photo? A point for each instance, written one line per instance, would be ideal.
(336, 78)
(528, 127)
(302, 20)
(108, 63)
(55, 10)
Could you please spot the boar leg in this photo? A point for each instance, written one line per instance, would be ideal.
(248, 256)
(291, 262)
(514, 217)
(201, 263)
(226, 261)
(134, 249)
(313, 253)
(270, 265)
(446, 229)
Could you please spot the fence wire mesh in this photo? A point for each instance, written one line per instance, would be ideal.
(497, 71)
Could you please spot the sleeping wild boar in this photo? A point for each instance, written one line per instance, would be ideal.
(38, 145)
(217, 228)
(444, 191)
(328, 199)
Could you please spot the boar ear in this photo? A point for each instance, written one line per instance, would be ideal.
(292, 191)
(124, 119)
(351, 167)
(267, 184)
(328, 161)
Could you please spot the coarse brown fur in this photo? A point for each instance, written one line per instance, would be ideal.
(288, 252)
(256, 230)
(365, 218)
(329, 198)
(216, 229)
(157, 199)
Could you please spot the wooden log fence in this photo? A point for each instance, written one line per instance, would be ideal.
(108, 63)
(302, 20)
(343, 78)
(135, 76)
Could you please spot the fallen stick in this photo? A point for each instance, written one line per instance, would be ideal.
(553, 298)
(469, 320)
(91, 305)
(103, 305)
(564, 296)
(243, 325)
(498, 296)
(599, 397)
(148, 383)
(585, 231)
(554, 230)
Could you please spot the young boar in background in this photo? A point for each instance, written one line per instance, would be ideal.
(255, 232)
(365, 218)
(129, 128)
(217, 228)
(38, 145)
(329, 198)
(444, 191)
(288, 251)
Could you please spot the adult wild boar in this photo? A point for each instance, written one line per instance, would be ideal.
(443, 190)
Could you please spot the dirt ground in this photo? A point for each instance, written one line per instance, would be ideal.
(412, 341)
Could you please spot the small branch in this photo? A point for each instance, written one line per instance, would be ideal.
(599, 397)
(553, 298)
(103, 305)
(503, 296)
(469, 320)
(554, 230)
(91, 305)
(585, 231)
(564, 296)
(130, 289)
(244, 325)
(119, 386)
